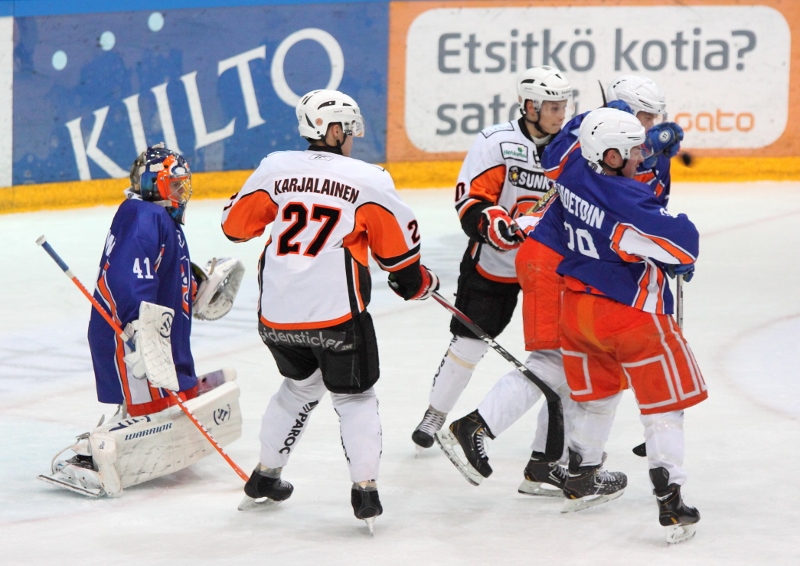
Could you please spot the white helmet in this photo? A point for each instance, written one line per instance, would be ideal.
(320, 108)
(609, 128)
(641, 94)
(543, 83)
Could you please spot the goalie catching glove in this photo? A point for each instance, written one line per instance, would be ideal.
(218, 285)
(414, 283)
(498, 229)
(151, 335)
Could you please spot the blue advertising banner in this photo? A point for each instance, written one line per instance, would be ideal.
(217, 84)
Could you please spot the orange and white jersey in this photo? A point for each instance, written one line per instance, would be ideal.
(501, 168)
(327, 212)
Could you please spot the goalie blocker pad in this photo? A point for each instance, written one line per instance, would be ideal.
(216, 293)
(139, 449)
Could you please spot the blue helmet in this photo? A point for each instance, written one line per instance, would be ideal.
(162, 176)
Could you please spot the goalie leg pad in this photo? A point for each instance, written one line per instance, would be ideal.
(140, 449)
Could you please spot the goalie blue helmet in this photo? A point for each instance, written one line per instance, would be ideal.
(162, 176)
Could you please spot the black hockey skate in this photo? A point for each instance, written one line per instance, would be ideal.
(673, 513)
(469, 434)
(431, 424)
(264, 489)
(541, 472)
(587, 486)
(366, 503)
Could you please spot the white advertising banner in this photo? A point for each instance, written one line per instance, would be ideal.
(725, 69)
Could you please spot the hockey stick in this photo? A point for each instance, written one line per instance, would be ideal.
(641, 450)
(42, 241)
(555, 425)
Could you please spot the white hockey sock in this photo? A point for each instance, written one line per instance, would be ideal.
(549, 366)
(663, 434)
(455, 372)
(360, 429)
(286, 418)
(591, 426)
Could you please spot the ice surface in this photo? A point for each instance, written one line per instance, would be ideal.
(742, 317)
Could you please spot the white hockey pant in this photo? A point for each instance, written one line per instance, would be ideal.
(286, 420)
(591, 425)
(514, 394)
(455, 371)
(663, 434)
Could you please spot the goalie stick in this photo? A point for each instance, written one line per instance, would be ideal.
(555, 412)
(42, 241)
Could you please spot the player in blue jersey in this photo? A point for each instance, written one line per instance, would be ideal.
(619, 246)
(146, 258)
(149, 286)
(644, 99)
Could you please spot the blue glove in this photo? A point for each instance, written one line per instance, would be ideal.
(664, 138)
(685, 269)
(619, 105)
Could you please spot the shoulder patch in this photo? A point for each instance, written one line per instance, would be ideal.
(505, 127)
(515, 151)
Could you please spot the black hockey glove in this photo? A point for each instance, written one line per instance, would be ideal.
(414, 286)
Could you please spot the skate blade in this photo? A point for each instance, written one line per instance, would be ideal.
(538, 489)
(370, 525)
(680, 533)
(418, 451)
(573, 505)
(62, 483)
(447, 442)
(250, 504)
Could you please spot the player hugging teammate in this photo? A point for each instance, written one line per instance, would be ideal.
(604, 236)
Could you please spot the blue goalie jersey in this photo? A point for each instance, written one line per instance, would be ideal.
(145, 258)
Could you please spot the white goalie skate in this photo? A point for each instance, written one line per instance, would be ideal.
(77, 473)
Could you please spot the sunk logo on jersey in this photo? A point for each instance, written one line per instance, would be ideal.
(525, 179)
(515, 151)
(222, 414)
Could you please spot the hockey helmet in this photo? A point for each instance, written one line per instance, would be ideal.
(640, 93)
(320, 108)
(544, 83)
(609, 128)
(161, 175)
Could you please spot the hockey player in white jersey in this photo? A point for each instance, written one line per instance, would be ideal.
(501, 179)
(149, 286)
(327, 212)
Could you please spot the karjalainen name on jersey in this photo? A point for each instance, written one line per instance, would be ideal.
(312, 185)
